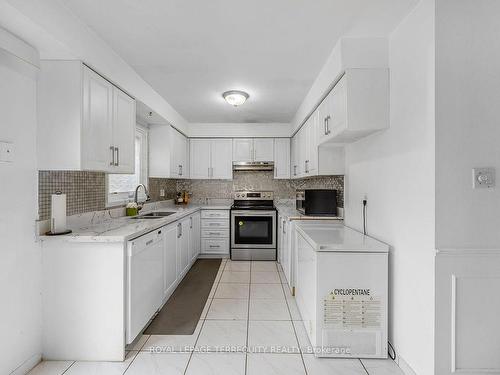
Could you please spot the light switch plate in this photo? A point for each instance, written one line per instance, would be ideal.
(483, 178)
(6, 152)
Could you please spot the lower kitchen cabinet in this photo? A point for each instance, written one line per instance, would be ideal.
(215, 233)
(183, 246)
(170, 276)
(194, 237)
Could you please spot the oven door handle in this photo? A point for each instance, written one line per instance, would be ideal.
(252, 213)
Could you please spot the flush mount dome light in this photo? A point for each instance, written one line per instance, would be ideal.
(235, 97)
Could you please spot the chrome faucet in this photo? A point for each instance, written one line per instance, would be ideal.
(139, 205)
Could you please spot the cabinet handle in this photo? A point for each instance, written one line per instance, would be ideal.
(180, 170)
(306, 166)
(112, 155)
(214, 233)
(190, 223)
(214, 246)
(209, 173)
(179, 230)
(117, 150)
(328, 124)
(149, 242)
(325, 126)
(295, 170)
(214, 224)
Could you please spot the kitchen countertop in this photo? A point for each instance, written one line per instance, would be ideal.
(288, 210)
(123, 228)
(335, 237)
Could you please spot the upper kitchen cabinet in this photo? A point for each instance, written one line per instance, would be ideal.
(84, 121)
(357, 106)
(308, 158)
(211, 159)
(253, 149)
(282, 158)
(168, 152)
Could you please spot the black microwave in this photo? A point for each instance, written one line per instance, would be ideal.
(316, 202)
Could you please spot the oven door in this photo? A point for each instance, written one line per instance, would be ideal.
(253, 229)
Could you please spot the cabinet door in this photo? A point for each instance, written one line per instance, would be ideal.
(195, 241)
(282, 158)
(97, 129)
(312, 144)
(263, 149)
(169, 259)
(243, 149)
(221, 161)
(294, 156)
(184, 227)
(200, 158)
(301, 151)
(178, 156)
(123, 132)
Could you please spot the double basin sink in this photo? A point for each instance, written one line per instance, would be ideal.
(154, 215)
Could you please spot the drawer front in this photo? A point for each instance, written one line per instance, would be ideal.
(215, 233)
(215, 223)
(215, 246)
(215, 214)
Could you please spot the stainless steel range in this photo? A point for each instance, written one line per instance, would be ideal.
(253, 226)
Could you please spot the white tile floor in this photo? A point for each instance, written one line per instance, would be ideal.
(249, 306)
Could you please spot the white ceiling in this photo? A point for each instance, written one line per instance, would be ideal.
(192, 51)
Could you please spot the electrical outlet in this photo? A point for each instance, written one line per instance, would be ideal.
(483, 178)
(6, 152)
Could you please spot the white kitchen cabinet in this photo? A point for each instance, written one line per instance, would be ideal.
(282, 158)
(220, 157)
(243, 149)
(211, 159)
(357, 106)
(168, 153)
(199, 158)
(308, 158)
(263, 149)
(124, 120)
(183, 237)
(169, 260)
(195, 239)
(253, 149)
(179, 161)
(84, 121)
(214, 233)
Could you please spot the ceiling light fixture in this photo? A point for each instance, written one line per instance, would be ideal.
(235, 97)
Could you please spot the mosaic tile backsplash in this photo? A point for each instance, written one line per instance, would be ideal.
(86, 191)
(264, 180)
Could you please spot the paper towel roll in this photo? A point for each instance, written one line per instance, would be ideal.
(58, 213)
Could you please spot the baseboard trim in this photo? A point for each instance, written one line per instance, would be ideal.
(28, 365)
(404, 366)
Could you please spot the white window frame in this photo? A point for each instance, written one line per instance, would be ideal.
(123, 199)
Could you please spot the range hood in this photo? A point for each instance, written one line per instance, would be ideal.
(253, 166)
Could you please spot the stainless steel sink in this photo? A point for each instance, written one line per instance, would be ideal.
(154, 215)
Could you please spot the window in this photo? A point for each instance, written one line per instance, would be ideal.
(121, 187)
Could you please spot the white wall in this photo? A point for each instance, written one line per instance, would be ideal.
(239, 130)
(467, 220)
(395, 170)
(467, 122)
(20, 259)
(59, 34)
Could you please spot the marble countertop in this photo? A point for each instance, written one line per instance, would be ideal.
(329, 236)
(110, 228)
(288, 210)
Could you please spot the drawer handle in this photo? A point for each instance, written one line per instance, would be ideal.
(149, 242)
(216, 233)
(214, 224)
(214, 246)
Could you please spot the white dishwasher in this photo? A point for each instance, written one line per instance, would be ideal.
(144, 281)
